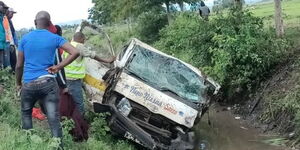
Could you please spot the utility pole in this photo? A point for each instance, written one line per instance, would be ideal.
(278, 19)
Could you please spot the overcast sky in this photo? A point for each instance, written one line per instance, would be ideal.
(60, 10)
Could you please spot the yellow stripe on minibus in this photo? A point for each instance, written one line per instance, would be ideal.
(98, 84)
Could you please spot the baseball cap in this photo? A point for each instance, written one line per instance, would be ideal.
(11, 10)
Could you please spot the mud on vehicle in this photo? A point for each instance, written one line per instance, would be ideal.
(154, 99)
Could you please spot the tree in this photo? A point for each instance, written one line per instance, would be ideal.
(179, 2)
(278, 19)
(181, 5)
(239, 4)
(167, 3)
(105, 11)
(222, 4)
(102, 12)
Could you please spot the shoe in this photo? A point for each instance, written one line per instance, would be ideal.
(37, 113)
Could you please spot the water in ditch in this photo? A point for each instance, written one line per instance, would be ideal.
(229, 132)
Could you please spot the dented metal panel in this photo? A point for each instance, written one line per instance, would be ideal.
(94, 84)
(156, 101)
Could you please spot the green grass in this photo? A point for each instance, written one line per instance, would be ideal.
(291, 17)
(291, 11)
(290, 8)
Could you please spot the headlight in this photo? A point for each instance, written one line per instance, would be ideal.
(124, 106)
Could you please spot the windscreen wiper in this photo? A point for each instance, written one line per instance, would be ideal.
(135, 75)
(168, 90)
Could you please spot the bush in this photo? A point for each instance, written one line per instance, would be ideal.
(149, 24)
(99, 127)
(235, 48)
(188, 38)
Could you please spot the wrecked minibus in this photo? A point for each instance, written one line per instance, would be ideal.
(154, 99)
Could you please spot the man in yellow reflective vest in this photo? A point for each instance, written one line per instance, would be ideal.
(75, 72)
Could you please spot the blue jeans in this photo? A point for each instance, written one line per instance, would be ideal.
(75, 88)
(45, 90)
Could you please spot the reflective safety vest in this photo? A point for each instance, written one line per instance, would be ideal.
(75, 70)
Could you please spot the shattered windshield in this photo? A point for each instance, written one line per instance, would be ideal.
(166, 74)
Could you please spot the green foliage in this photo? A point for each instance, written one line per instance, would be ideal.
(235, 49)
(276, 141)
(99, 127)
(184, 39)
(102, 12)
(67, 126)
(149, 24)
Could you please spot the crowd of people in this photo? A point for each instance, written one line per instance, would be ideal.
(46, 66)
(8, 37)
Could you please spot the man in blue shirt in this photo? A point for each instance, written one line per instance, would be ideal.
(36, 55)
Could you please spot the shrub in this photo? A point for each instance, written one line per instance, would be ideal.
(99, 127)
(149, 24)
(235, 48)
(188, 38)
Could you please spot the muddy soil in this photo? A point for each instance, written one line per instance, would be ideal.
(230, 132)
(281, 81)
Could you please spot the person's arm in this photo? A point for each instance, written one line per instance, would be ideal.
(15, 39)
(86, 52)
(19, 68)
(99, 59)
(74, 53)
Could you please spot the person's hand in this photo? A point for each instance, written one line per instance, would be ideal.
(65, 91)
(18, 89)
(53, 69)
(112, 59)
(12, 48)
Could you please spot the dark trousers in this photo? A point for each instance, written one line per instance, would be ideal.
(13, 58)
(1, 58)
(4, 58)
(45, 90)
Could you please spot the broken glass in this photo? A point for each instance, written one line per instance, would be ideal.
(166, 74)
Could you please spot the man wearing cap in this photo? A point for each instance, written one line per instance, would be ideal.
(13, 57)
(4, 53)
(36, 54)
